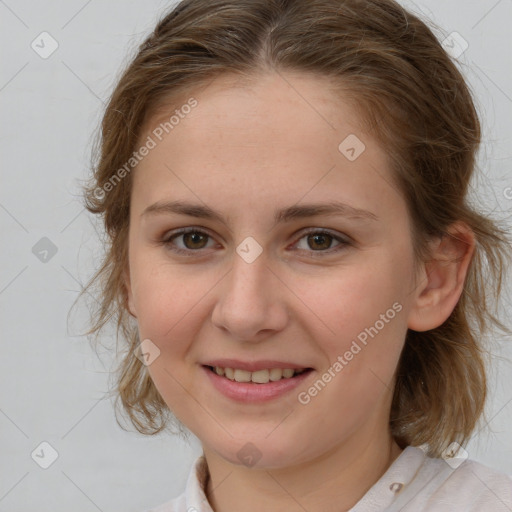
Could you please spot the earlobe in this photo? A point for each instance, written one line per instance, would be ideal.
(444, 277)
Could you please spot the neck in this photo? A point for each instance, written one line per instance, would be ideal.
(333, 482)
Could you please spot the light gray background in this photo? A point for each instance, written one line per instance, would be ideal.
(52, 383)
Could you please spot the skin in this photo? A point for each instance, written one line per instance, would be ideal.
(244, 151)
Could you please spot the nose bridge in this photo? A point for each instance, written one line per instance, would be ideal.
(248, 283)
(248, 301)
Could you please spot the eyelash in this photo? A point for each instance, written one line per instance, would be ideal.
(343, 242)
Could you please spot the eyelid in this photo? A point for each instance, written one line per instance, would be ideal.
(335, 234)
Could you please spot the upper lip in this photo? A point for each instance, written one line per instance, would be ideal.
(253, 366)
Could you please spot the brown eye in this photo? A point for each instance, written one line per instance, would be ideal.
(187, 242)
(320, 241)
(194, 240)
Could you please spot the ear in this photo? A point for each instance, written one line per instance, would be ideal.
(129, 293)
(443, 278)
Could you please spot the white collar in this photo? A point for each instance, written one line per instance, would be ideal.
(383, 494)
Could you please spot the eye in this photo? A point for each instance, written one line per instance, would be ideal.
(193, 240)
(320, 241)
(316, 241)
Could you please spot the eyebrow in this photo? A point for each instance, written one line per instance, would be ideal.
(280, 216)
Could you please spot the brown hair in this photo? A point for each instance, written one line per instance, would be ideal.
(413, 99)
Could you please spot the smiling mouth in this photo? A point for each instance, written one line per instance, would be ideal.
(258, 377)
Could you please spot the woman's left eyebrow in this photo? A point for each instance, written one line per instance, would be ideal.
(280, 216)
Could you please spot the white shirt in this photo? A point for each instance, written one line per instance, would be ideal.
(413, 483)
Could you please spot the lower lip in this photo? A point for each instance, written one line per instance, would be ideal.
(251, 392)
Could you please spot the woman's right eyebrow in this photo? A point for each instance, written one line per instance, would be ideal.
(280, 216)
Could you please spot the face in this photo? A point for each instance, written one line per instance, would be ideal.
(263, 280)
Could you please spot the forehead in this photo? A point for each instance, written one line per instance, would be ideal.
(304, 86)
(277, 133)
(259, 107)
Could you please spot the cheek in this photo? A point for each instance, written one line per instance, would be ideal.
(365, 315)
(168, 302)
(362, 356)
(350, 301)
(372, 325)
(166, 295)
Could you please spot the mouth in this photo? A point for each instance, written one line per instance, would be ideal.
(262, 376)
(257, 382)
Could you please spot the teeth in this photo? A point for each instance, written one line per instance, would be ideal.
(276, 374)
(261, 376)
(242, 376)
(258, 377)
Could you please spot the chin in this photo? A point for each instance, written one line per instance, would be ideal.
(261, 453)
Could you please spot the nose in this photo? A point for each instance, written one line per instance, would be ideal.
(251, 301)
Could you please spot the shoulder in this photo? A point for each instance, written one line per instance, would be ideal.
(479, 487)
(466, 485)
(416, 482)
